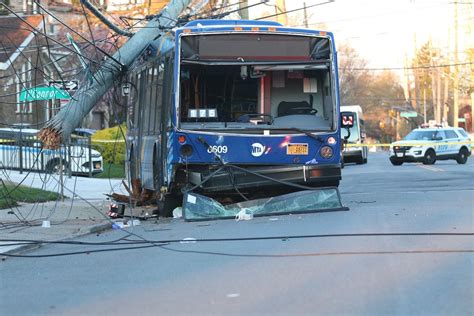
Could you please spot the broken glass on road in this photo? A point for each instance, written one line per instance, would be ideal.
(199, 207)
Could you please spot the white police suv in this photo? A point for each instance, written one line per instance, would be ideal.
(427, 145)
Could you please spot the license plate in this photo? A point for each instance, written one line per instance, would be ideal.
(399, 154)
(297, 149)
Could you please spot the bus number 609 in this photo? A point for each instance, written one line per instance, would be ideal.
(217, 149)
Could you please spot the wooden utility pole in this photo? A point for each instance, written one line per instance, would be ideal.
(433, 87)
(438, 96)
(415, 76)
(407, 82)
(424, 104)
(446, 98)
(456, 69)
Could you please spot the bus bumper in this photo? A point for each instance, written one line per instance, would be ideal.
(231, 178)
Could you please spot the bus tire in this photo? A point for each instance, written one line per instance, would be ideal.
(171, 201)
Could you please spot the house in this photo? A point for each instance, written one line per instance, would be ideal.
(21, 61)
(29, 65)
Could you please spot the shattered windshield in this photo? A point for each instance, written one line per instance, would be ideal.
(199, 207)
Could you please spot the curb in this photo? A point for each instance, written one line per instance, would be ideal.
(97, 228)
(20, 249)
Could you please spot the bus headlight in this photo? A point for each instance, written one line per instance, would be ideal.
(186, 150)
(331, 140)
(326, 152)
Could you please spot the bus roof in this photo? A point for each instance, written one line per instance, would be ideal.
(246, 25)
(230, 23)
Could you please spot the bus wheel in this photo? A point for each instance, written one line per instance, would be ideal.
(54, 166)
(171, 201)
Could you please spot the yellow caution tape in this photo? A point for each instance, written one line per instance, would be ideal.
(108, 141)
(411, 144)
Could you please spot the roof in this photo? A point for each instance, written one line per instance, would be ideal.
(198, 23)
(436, 128)
(14, 34)
(351, 108)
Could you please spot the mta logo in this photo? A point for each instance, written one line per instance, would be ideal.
(257, 149)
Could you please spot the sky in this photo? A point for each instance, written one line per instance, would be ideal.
(385, 31)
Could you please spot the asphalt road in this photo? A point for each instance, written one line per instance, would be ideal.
(350, 275)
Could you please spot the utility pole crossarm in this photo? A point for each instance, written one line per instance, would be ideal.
(70, 116)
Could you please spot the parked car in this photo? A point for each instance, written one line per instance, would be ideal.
(427, 145)
(20, 149)
(84, 132)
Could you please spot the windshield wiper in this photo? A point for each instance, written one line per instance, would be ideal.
(306, 132)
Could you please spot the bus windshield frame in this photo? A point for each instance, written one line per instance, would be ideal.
(239, 93)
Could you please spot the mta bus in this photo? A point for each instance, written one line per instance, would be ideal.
(232, 109)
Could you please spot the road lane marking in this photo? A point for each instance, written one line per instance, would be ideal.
(431, 168)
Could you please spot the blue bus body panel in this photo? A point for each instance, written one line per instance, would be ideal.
(254, 149)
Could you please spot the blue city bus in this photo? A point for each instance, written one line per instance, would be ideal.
(234, 109)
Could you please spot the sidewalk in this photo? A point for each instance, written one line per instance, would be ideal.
(84, 187)
(68, 219)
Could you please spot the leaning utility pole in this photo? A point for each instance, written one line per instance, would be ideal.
(305, 16)
(281, 8)
(244, 10)
(69, 117)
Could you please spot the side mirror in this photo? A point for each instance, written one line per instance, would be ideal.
(347, 120)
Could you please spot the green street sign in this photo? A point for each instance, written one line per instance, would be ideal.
(461, 119)
(43, 93)
(408, 114)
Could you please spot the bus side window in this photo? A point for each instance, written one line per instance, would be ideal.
(158, 102)
(145, 100)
